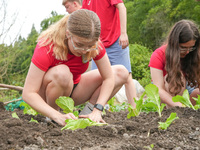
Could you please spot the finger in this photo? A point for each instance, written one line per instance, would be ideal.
(120, 43)
(83, 116)
(72, 116)
(102, 121)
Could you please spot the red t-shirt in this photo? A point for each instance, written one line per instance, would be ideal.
(158, 59)
(109, 17)
(44, 59)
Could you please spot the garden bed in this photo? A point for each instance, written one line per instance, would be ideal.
(120, 133)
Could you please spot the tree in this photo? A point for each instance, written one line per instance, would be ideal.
(148, 22)
(47, 22)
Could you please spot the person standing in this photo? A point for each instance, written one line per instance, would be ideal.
(71, 5)
(112, 14)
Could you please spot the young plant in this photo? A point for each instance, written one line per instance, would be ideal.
(165, 125)
(80, 124)
(185, 100)
(197, 106)
(33, 120)
(149, 147)
(136, 111)
(113, 107)
(67, 104)
(154, 102)
(28, 109)
(14, 115)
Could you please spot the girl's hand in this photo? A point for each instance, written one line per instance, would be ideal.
(62, 117)
(123, 40)
(174, 105)
(94, 116)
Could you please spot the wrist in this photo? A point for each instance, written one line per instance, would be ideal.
(99, 107)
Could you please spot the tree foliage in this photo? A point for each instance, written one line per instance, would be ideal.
(148, 22)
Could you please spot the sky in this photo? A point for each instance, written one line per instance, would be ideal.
(27, 12)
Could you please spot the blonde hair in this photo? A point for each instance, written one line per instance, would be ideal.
(81, 23)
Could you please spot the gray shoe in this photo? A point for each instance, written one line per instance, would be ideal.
(87, 109)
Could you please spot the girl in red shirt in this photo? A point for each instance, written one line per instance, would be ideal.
(57, 69)
(176, 66)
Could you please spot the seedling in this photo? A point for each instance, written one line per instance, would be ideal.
(165, 125)
(28, 109)
(149, 147)
(185, 100)
(33, 120)
(67, 104)
(113, 107)
(14, 115)
(154, 99)
(136, 111)
(152, 104)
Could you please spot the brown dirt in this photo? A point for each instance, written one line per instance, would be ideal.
(120, 134)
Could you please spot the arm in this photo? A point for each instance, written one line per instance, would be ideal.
(123, 39)
(30, 95)
(158, 80)
(107, 75)
(103, 93)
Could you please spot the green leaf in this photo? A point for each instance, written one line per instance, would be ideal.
(197, 106)
(76, 113)
(111, 102)
(154, 98)
(14, 115)
(165, 125)
(149, 147)
(136, 111)
(80, 124)
(185, 99)
(28, 109)
(33, 120)
(66, 103)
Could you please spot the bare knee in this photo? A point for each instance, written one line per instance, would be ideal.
(121, 73)
(61, 76)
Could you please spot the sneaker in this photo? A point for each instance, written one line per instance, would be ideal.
(87, 109)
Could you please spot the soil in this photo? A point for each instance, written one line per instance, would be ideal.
(137, 133)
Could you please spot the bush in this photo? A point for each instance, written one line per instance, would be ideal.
(140, 56)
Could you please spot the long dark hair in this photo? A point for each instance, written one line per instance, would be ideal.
(189, 66)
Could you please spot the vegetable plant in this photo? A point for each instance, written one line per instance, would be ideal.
(152, 104)
(165, 125)
(137, 110)
(14, 115)
(185, 100)
(28, 109)
(113, 107)
(149, 147)
(67, 104)
(33, 120)
(154, 99)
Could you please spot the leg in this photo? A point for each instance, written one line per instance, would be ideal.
(58, 81)
(90, 85)
(117, 55)
(130, 90)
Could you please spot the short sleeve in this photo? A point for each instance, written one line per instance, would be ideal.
(114, 2)
(102, 52)
(157, 59)
(42, 57)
